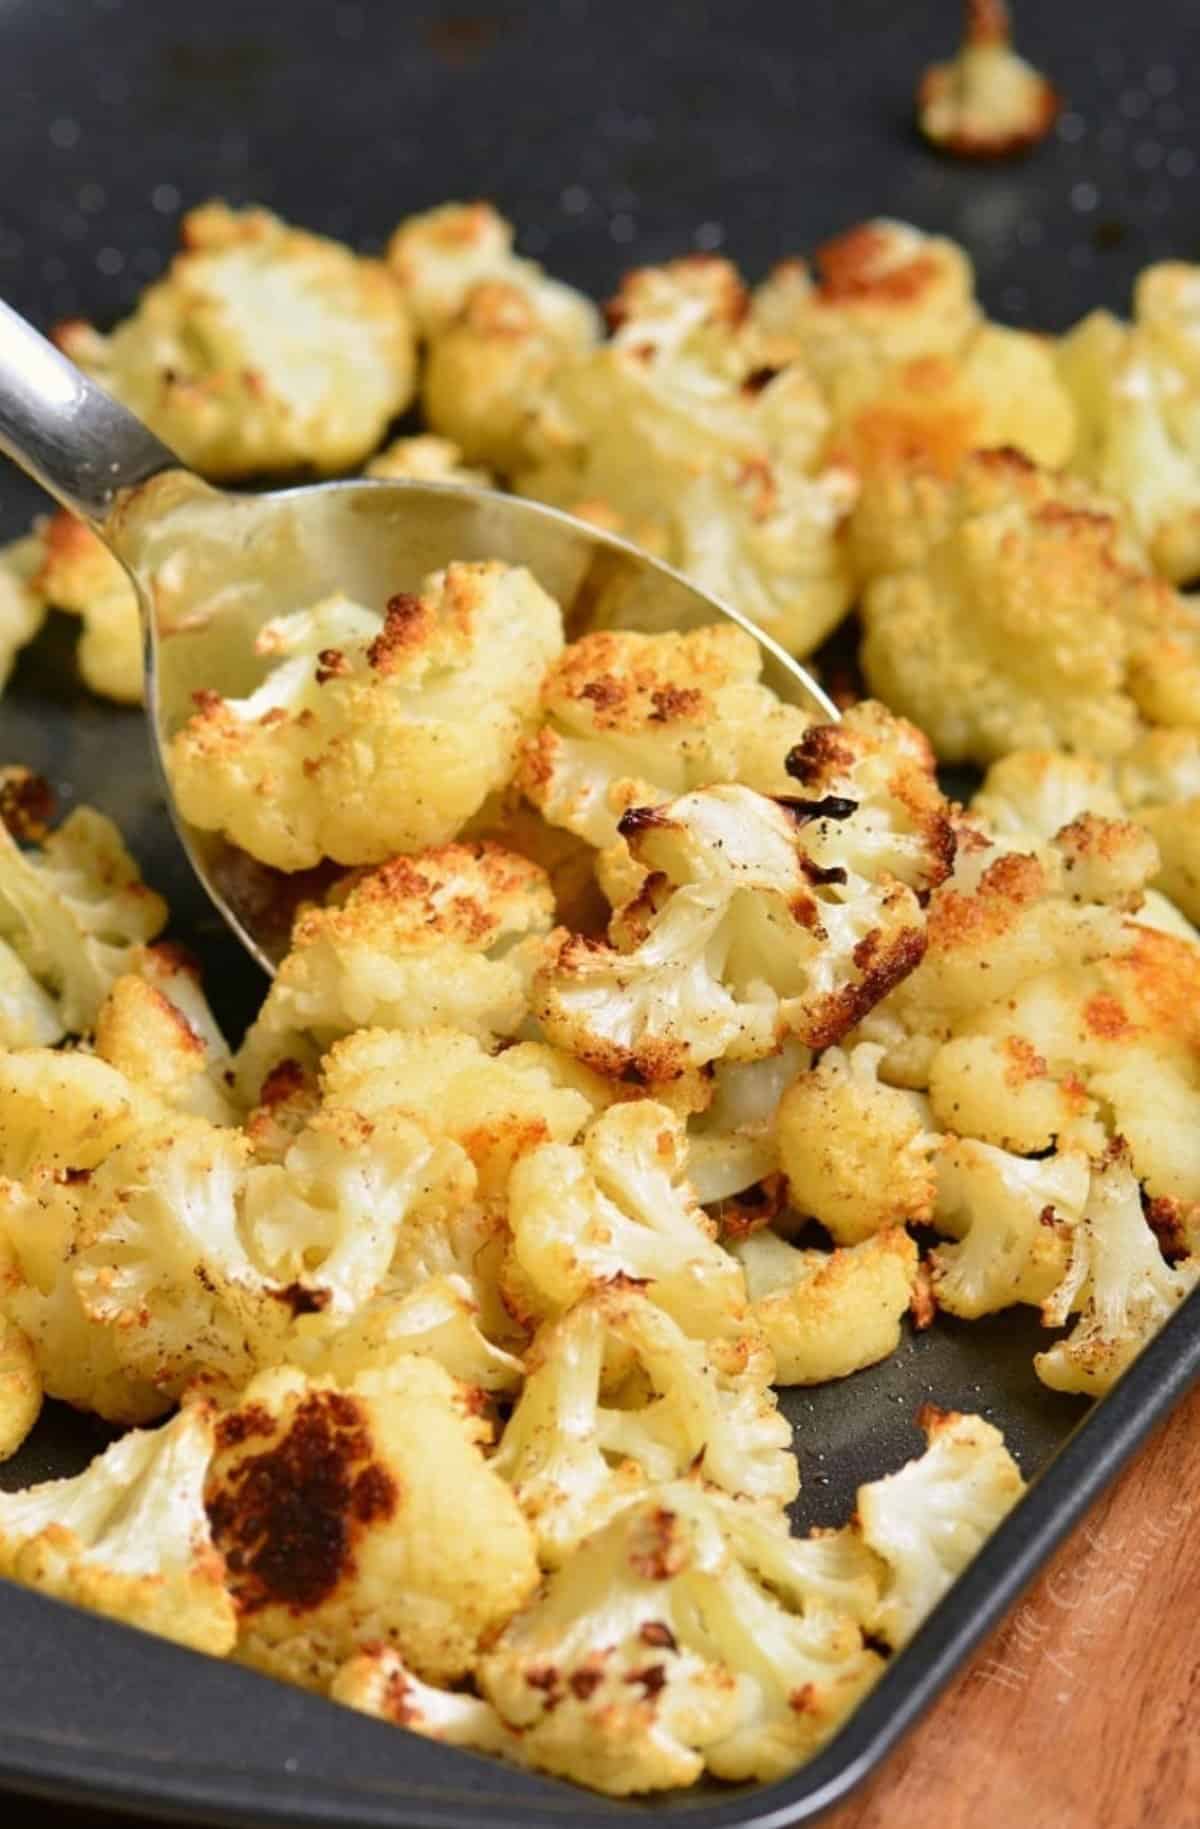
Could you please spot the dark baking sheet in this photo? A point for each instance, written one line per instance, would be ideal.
(612, 133)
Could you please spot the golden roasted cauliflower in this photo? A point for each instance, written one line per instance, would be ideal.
(22, 604)
(986, 103)
(155, 1026)
(827, 1314)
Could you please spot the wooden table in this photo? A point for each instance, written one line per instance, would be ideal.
(1084, 1711)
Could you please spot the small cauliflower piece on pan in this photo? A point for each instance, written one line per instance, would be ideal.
(22, 603)
(155, 1026)
(987, 103)
(616, 1397)
(373, 735)
(129, 1536)
(618, 1207)
(929, 1520)
(688, 1633)
(376, 1681)
(20, 1382)
(437, 939)
(425, 459)
(264, 348)
(1011, 1218)
(1117, 1277)
(77, 573)
(827, 1314)
(439, 256)
(364, 1513)
(759, 920)
(856, 1152)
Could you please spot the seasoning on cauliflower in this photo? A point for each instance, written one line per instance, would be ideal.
(1011, 1218)
(78, 574)
(373, 735)
(733, 1143)
(681, 433)
(360, 1513)
(759, 920)
(827, 1314)
(156, 1027)
(1117, 1277)
(929, 1520)
(1005, 609)
(264, 348)
(129, 1536)
(22, 605)
(617, 1207)
(425, 459)
(856, 1152)
(688, 1633)
(675, 1406)
(987, 103)
(427, 941)
(74, 908)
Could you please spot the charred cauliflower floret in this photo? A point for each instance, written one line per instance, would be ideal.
(425, 459)
(373, 735)
(73, 908)
(155, 1026)
(22, 604)
(928, 1521)
(689, 1633)
(77, 573)
(856, 1152)
(1004, 609)
(435, 939)
(826, 1314)
(987, 103)
(759, 920)
(680, 433)
(616, 1397)
(264, 348)
(364, 1513)
(1117, 1277)
(129, 1536)
(1010, 1217)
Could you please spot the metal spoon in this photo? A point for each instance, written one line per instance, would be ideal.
(210, 568)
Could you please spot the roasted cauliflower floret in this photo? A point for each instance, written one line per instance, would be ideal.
(22, 604)
(1005, 609)
(155, 1026)
(376, 1681)
(617, 1397)
(20, 1383)
(78, 574)
(1159, 782)
(857, 1153)
(929, 1520)
(1117, 1277)
(431, 940)
(1011, 1217)
(617, 1207)
(263, 348)
(364, 1513)
(373, 736)
(682, 434)
(689, 1632)
(74, 908)
(438, 258)
(425, 459)
(733, 1143)
(1032, 794)
(129, 1537)
(987, 103)
(826, 1314)
(759, 920)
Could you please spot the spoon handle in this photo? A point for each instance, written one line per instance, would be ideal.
(67, 433)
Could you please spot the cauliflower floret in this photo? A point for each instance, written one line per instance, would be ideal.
(365, 1512)
(425, 941)
(930, 1519)
(759, 920)
(442, 254)
(376, 1681)
(682, 434)
(1011, 1218)
(264, 348)
(1159, 782)
(734, 1142)
(856, 1153)
(155, 1026)
(78, 574)
(129, 1536)
(675, 1406)
(1034, 793)
(426, 459)
(1004, 609)
(372, 736)
(1118, 1278)
(689, 1632)
(438, 1317)
(617, 1207)
(74, 909)
(987, 103)
(827, 1314)
(22, 604)
(20, 1385)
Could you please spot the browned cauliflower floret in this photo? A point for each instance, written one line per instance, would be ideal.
(364, 1513)
(680, 433)
(987, 103)
(22, 603)
(1005, 610)
(425, 459)
(441, 255)
(1010, 1218)
(263, 348)
(129, 1536)
(373, 735)
(427, 940)
(156, 1027)
(77, 573)
(826, 1314)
